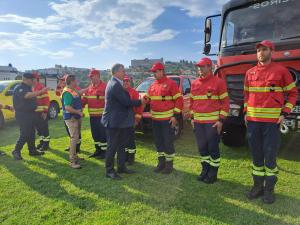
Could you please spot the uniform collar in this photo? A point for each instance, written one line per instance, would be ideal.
(120, 81)
(163, 79)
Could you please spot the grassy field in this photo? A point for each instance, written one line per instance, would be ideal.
(44, 190)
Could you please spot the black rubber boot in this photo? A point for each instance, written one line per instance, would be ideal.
(212, 175)
(45, 146)
(258, 188)
(97, 152)
(168, 168)
(269, 196)
(39, 146)
(161, 164)
(126, 155)
(35, 152)
(131, 158)
(17, 155)
(204, 172)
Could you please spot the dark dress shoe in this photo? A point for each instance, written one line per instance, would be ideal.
(113, 175)
(17, 155)
(125, 170)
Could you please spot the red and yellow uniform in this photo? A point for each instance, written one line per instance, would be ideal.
(94, 98)
(265, 90)
(41, 120)
(209, 99)
(166, 102)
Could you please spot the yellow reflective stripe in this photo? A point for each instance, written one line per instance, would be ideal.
(160, 98)
(159, 154)
(41, 108)
(206, 116)
(245, 105)
(94, 97)
(215, 162)
(177, 110)
(224, 95)
(42, 96)
(246, 88)
(271, 172)
(263, 110)
(263, 115)
(177, 96)
(265, 89)
(131, 150)
(160, 115)
(169, 157)
(289, 87)
(95, 110)
(223, 113)
(205, 159)
(258, 170)
(205, 97)
(289, 105)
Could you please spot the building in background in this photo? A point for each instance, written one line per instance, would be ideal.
(9, 73)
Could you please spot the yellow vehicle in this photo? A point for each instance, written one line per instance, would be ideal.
(6, 92)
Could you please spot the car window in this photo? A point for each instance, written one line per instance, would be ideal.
(144, 86)
(186, 86)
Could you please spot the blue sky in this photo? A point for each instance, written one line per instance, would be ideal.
(98, 33)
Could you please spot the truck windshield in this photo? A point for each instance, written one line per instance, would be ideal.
(269, 20)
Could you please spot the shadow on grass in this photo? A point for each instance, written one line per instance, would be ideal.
(223, 201)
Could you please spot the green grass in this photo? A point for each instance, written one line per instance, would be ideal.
(44, 190)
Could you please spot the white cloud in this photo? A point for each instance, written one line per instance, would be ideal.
(62, 54)
(116, 24)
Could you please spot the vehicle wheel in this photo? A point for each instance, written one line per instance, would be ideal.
(178, 128)
(233, 135)
(53, 110)
(1, 119)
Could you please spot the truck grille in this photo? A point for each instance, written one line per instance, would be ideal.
(235, 86)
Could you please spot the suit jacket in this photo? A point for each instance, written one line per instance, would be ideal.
(118, 110)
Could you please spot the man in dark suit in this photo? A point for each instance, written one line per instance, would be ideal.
(117, 118)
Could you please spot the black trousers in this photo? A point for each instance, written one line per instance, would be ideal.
(27, 131)
(164, 139)
(116, 142)
(41, 126)
(264, 142)
(208, 141)
(131, 147)
(98, 132)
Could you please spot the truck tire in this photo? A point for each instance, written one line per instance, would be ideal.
(53, 110)
(178, 128)
(1, 119)
(234, 135)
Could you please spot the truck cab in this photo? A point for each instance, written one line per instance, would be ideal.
(243, 23)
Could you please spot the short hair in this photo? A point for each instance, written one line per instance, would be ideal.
(115, 68)
(70, 78)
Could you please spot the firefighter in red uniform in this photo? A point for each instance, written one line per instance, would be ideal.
(270, 94)
(166, 104)
(59, 89)
(41, 120)
(94, 98)
(209, 108)
(131, 147)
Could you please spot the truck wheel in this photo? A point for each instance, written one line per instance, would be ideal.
(53, 110)
(1, 119)
(178, 128)
(234, 135)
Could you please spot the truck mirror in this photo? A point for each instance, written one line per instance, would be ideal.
(207, 30)
(207, 48)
